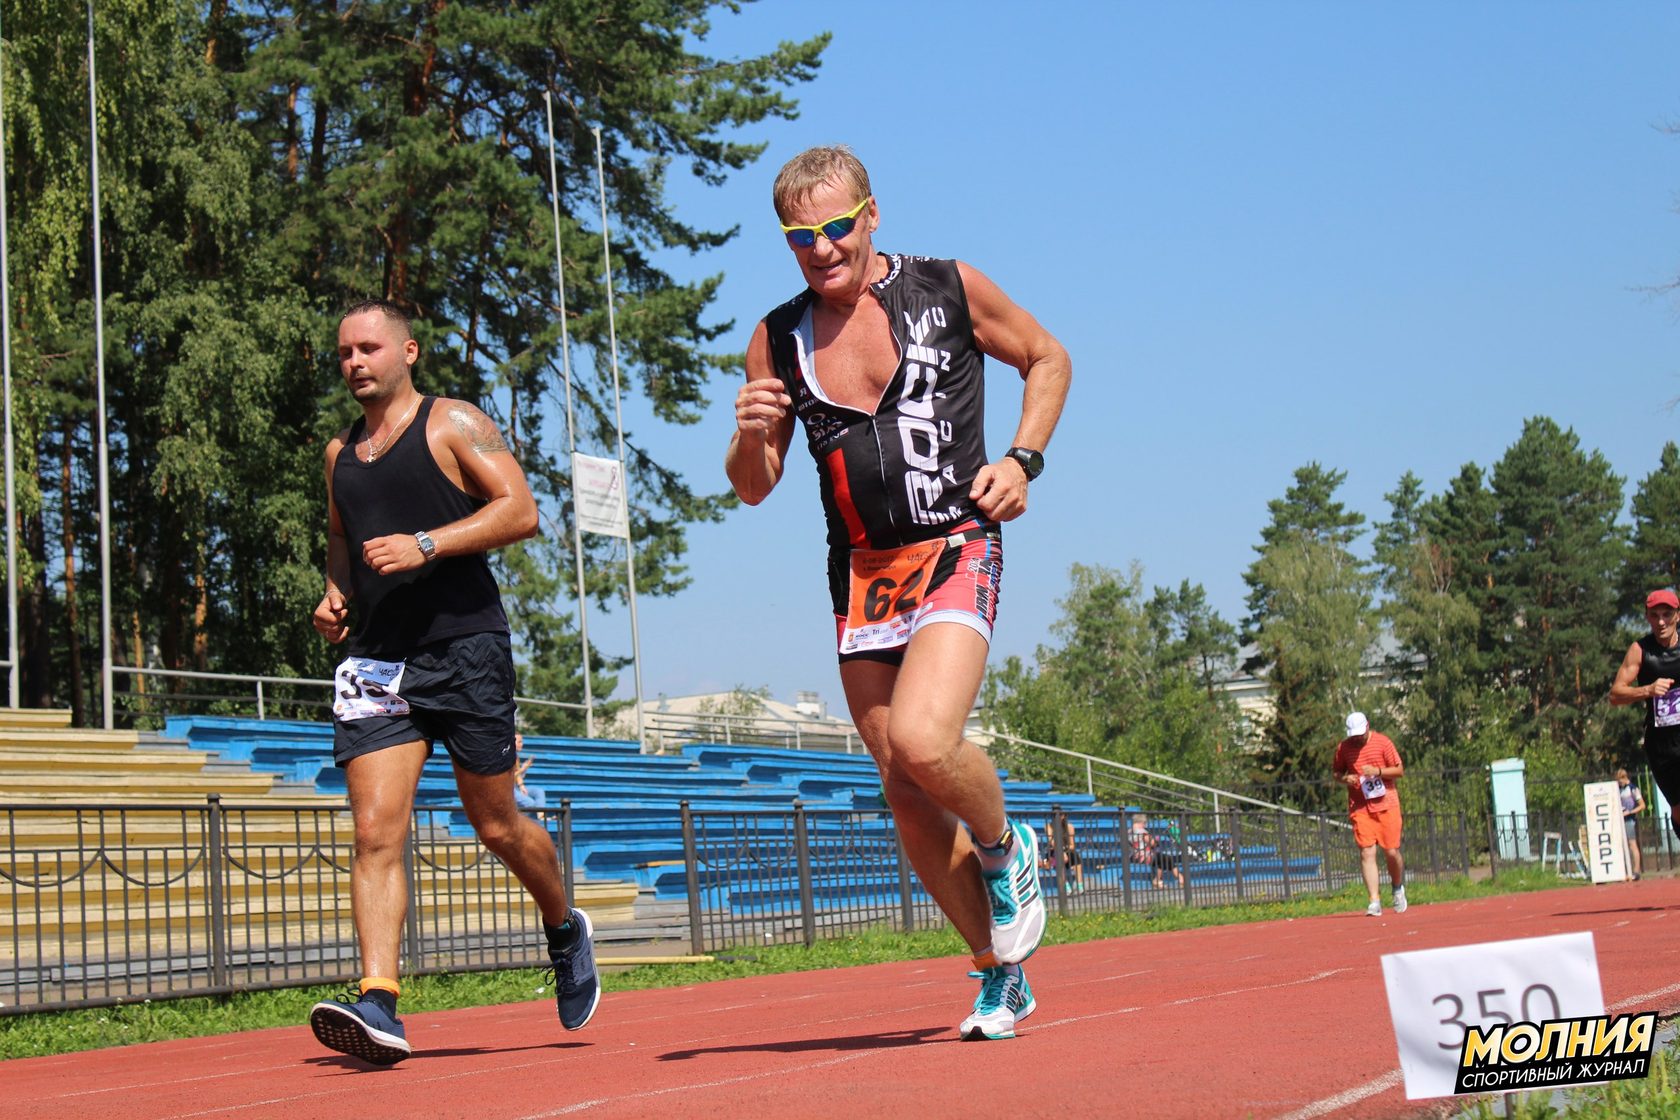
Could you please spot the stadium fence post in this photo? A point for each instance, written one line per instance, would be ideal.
(906, 901)
(1283, 851)
(568, 871)
(411, 920)
(1493, 846)
(1464, 842)
(215, 871)
(1058, 829)
(1236, 852)
(1184, 823)
(691, 880)
(1434, 853)
(1324, 849)
(1123, 842)
(802, 852)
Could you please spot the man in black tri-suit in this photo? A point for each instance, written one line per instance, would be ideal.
(1647, 674)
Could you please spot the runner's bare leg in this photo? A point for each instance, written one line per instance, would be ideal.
(1368, 870)
(1396, 867)
(381, 788)
(911, 718)
(516, 839)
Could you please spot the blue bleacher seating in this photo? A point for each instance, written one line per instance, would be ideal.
(626, 824)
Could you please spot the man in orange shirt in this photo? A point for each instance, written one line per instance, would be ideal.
(1367, 764)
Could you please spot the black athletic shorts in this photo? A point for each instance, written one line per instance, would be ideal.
(459, 690)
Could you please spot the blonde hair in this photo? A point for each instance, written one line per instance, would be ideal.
(810, 169)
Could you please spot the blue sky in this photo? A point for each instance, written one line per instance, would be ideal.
(1374, 235)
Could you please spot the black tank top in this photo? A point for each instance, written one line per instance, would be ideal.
(901, 474)
(405, 491)
(1658, 662)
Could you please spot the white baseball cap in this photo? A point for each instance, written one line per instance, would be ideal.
(1357, 724)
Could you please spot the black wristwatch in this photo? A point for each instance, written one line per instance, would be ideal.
(1032, 462)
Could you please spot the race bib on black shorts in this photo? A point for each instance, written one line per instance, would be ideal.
(364, 687)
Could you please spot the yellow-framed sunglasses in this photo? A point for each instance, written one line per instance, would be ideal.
(837, 227)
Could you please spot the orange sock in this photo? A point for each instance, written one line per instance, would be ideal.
(984, 960)
(381, 983)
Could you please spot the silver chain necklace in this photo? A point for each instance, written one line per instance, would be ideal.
(376, 452)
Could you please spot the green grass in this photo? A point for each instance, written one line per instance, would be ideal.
(155, 1020)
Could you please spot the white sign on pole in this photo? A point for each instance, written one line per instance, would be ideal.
(1606, 853)
(1436, 995)
(598, 491)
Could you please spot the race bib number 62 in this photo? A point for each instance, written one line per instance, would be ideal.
(887, 587)
(363, 687)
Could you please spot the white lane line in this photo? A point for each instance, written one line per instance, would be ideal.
(131, 1087)
(1346, 1097)
(1643, 997)
(503, 1069)
(646, 1094)
(1313, 979)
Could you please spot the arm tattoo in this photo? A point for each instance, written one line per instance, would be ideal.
(478, 429)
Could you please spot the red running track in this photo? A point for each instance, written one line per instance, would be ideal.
(1283, 1019)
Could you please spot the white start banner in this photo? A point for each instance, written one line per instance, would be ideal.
(1606, 847)
(598, 491)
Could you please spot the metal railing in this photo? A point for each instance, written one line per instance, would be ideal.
(1104, 778)
(669, 731)
(769, 877)
(1110, 781)
(158, 703)
(1560, 839)
(111, 903)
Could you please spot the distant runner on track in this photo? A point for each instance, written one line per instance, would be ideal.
(1647, 676)
(1367, 764)
(882, 358)
(418, 491)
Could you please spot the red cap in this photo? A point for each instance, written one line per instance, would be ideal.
(1663, 598)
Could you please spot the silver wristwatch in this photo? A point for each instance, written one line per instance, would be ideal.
(428, 547)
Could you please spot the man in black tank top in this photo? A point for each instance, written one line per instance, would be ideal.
(418, 491)
(881, 358)
(1647, 675)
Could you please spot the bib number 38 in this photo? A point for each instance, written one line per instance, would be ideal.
(363, 687)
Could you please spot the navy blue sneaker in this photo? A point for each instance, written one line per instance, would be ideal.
(361, 1027)
(577, 983)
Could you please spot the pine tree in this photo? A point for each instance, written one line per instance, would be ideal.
(1558, 567)
(1312, 623)
(264, 163)
(1654, 556)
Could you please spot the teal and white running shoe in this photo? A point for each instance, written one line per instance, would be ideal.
(1005, 999)
(1017, 900)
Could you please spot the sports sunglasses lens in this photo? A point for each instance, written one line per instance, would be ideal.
(802, 238)
(838, 228)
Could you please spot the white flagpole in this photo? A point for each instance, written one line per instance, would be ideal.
(571, 431)
(6, 376)
(618, 417)
(99, 406)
